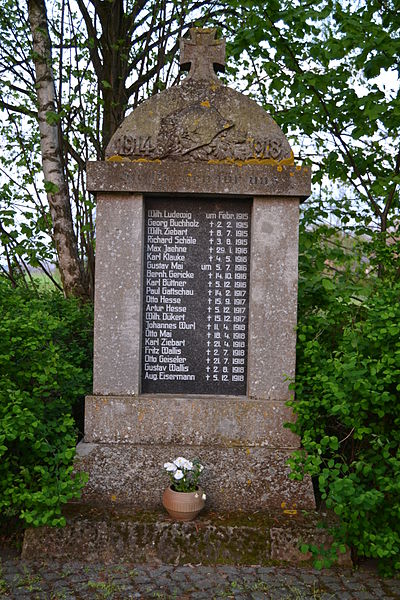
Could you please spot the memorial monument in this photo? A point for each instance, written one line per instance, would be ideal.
(195, 299)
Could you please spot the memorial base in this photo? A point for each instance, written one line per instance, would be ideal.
(241, 442)
(236, 478)
(121, 535)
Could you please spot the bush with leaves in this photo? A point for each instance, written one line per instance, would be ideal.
(347, 393)
(45, 367)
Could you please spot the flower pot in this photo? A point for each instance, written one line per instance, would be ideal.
(183, 506)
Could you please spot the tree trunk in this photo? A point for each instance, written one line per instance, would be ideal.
(71, 269)
(115, 45)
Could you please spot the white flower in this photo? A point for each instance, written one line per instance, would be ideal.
(178, 474)
(203, 497)
(170, 467)
(200, 467)
(183, 463)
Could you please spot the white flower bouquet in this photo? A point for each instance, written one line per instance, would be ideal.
(184, 474)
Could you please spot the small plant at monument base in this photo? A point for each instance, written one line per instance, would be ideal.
(184, 474)
(184, 498)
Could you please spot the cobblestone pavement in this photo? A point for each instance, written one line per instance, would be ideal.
(55, 581)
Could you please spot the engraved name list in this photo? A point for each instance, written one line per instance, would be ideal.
(196, 276)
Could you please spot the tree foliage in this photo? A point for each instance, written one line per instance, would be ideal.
(347, 390)
(317, 68)
(329, 72)
(45, 369)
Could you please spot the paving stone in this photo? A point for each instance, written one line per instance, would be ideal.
(9, 572)
(206, 584)
(306, 577)
(228, 569)
(158, 570)
(285, 594)
(355, 586)
(293, 580)
(139, 579)
(259, 596)
(63, 587)
(266, 570)
(267, 577)
(70, 582)
(179, 576)
(215, 581)
(392, 586)
(148, 589)
(375, 588)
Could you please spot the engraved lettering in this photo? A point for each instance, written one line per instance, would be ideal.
(196, 268)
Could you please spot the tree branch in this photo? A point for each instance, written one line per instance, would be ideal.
(333, 127)
(18, 109)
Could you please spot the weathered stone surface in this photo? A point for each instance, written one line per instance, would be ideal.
(273, 297)
(115, 536)
(284, 544)
(214, 420)
(168, 176)
(202, 55)
(118, 294)
(272, 302)
(200, 120)
(248, 478)
(200, 137)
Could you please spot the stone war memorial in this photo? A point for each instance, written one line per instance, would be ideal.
(195, 316)
(196, 294)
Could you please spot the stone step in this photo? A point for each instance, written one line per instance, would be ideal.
(121, 535)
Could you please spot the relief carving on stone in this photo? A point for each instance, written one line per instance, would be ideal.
(198, 133)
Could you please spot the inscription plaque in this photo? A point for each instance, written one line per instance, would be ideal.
(196, 291)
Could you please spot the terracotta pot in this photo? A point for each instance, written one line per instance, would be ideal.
(183, 506)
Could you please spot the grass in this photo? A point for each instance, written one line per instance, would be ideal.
(4, 588)
(104, 589)
(29, 581)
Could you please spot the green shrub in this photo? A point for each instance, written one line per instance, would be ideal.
(45, 368)
(347, 402)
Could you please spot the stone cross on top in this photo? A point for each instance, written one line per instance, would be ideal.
(203, 54)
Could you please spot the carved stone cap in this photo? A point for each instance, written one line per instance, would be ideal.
(202, 121)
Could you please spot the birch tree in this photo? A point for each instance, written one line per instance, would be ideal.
(55, 183)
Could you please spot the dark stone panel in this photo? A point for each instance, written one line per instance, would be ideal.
(196, 292)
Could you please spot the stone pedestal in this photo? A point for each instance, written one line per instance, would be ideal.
(241, 441)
